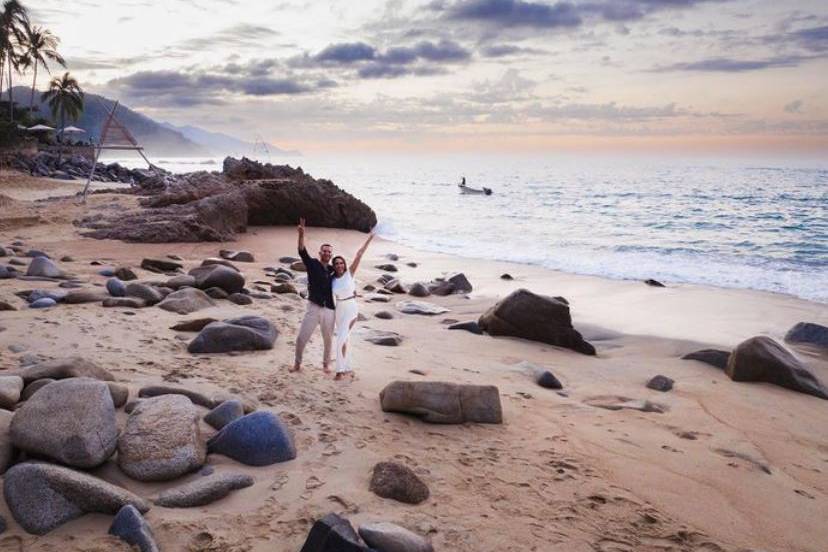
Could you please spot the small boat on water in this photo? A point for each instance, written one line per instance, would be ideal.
(474, 191)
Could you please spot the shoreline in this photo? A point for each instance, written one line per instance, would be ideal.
(558, 473)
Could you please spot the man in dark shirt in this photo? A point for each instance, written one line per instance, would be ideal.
(320, 311)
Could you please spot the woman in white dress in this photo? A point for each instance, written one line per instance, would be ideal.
(344, 291)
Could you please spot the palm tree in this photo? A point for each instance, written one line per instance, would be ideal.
(40, 45)
(14, 18)
(65, 98)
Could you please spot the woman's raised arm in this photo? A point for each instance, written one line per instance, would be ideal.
(358, 256)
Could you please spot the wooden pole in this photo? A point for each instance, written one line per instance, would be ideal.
(101, 141)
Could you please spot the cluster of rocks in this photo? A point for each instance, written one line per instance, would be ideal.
(73, 167)
(163, 440)
(762, 359)
(212, 206)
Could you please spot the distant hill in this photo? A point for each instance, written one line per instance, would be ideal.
(223, 144)
(156, 138)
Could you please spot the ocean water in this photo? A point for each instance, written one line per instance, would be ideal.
(728, 223)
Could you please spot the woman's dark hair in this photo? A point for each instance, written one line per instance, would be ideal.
(333, 262)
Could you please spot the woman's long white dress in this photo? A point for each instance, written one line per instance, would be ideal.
(344, 291)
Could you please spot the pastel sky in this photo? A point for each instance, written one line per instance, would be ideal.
(464, 75)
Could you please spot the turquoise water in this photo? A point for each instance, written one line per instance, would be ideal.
(728, 223)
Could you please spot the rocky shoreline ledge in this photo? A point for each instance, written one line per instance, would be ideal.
(215, 206)
(77, 167)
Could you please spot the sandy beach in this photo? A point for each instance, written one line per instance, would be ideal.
(727, 466)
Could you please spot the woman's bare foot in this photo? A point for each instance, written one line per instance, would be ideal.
(341, 376)
(325, 369)
(296, 368)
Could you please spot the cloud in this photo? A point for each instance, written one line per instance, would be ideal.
(504, 50)
(814, 39)
(346, 53)
(241, 35)
(794, 107)
(515, 13)
(728, 65)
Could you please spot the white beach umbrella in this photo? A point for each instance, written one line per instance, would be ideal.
(40, 127)
(72, 129)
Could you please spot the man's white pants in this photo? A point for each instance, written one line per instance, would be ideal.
(316, 316)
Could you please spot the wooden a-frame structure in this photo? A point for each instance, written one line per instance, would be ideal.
(114, 136)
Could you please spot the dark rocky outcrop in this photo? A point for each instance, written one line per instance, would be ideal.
(398, 482)
(443, 403)
(808, 333)
(42, 497)
(537, 318)
(763, 359)
(333, 533)
(206, 206)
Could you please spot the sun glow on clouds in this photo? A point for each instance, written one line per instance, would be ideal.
(464, 74)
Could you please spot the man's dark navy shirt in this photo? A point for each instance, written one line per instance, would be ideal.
(319, 280)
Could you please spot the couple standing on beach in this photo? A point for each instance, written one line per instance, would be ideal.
(331, 303)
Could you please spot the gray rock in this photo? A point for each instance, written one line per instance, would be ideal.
(386, 267)
(33, 387)
(71, 421)
(180, 281)
(420, 307)
(10, 388)
(131, 527)
(548, 380)
(660, 383)
(333, 533)
(219, 276)
(654, 283)
(161, 265)
(471, 326)
(162, 439)
(398, 482)
(44, 267)
(442, 402)
(5, 306)
(713, 357)
(288, 260)
(506, 276)
(238, 256)
(378, 298)
(42, 497)
(203, 491)
(6, 445)
(247, 333)
(216, 293)
(43, 303)
(186, 301)
(763, 359)
(225, 413)
(808, 333)
(125, 302)
(35, 253)
(60, 368)
(240, 299)
(419, 289)
(389, 537)
(79, 296)
(537, 318)
(116, 287)
(159, 390)
(284, 287)
(119, 393)
(384, 315)
(195, 325)
(149, 294)
(257, 439)
(380, 337)
(125, 274)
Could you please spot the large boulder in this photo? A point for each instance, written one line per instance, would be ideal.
(131, 527)
(162, 439)
(808, 333)
(247, 333)
(390, 537)
(71, 421)
(258, 439)
(186, 301)
(150, 294)
(333, 533)
(203, 490)
(44, 267)
(443, 402)
(398, 482)
(218, 275)
(42, 497)
(225, 413)
(535, 317)
(161, 265)
(61, 368)
(194, 396)
(763, 359)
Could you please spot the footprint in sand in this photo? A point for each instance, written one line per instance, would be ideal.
(618, 402)
(752, 462)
